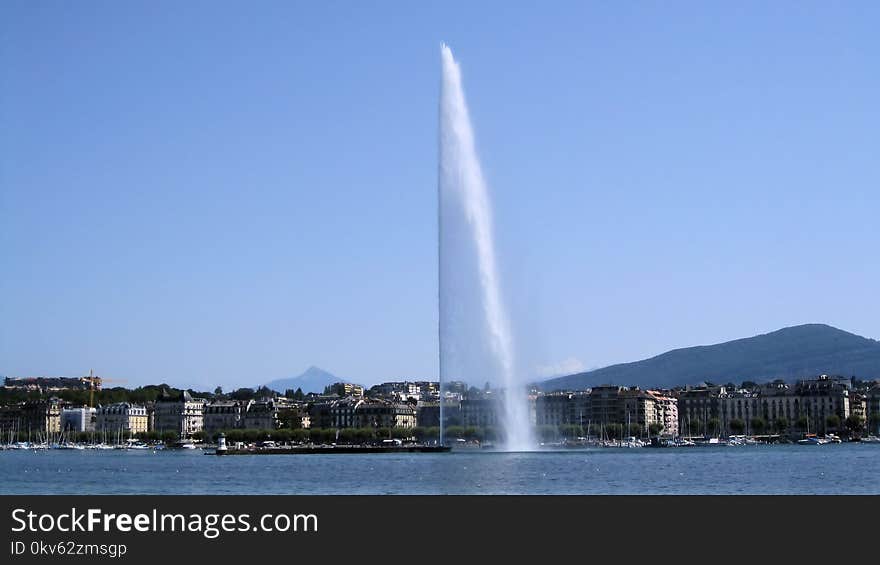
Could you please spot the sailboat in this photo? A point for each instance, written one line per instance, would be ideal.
(811, 439)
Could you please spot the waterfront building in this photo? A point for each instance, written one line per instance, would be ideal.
(385, 414)
(354, 412)
(78, 419)
(560, 409)
(321, 414)
(224, 415)
(10, 418)
(697, 406)
(858, 406)
(872, 402)
(428, 414)
(665, 412)
(151, 415)
(122, 417)
(776, 407)
(609, 405)
(638, 409)
(261, 415)
(605, 405)
(452, 412)
(819, 399)
(181, 414)
(38, 417)
(305, 421)
(293, 415)
(42, 416)
(342, 412)
(480, 412)
(267, 414)
(531, 408)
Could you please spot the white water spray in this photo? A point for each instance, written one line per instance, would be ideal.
(471, 344)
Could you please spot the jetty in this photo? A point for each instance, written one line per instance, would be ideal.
(332, 449)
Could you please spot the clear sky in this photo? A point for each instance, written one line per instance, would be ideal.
(211, 193)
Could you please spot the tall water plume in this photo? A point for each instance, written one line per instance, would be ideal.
(475, 336)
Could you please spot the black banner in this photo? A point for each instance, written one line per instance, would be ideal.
(170, 529)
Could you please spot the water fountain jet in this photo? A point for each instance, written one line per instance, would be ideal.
(474, 331)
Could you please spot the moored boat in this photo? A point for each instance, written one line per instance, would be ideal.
(812, 439)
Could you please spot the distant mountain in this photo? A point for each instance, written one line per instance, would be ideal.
(789, 353)
(314, 379)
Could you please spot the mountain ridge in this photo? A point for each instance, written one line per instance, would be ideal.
(786, 353)
(313, 379)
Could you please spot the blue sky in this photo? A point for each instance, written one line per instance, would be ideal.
(226, 193)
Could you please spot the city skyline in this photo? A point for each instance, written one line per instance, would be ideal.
(191, 200)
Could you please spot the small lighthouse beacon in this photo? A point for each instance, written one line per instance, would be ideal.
(221, 444)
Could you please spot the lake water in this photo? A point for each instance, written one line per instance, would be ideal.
(827, 469)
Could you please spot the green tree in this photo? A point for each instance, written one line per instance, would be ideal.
(832, 422)
(737, 426)
(547, 432)
(614, 431)
(875, 422)
(242, 394)
(854, 423)
(252, 436)
(431, 433)
(802, 423)
(655, 429)
(265, 392)
(233, 436)
(781, 425)
(758, 424)
(152, 436)
(714, 426)
(322, 436)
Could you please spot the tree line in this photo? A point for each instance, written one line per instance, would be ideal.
(757, 425)
(140, 395)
